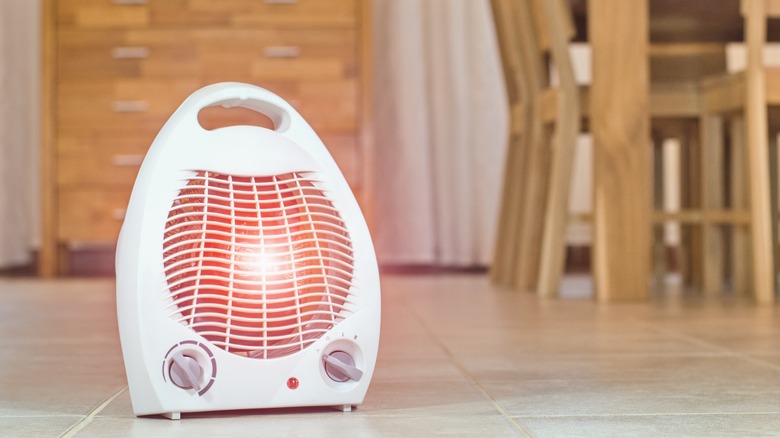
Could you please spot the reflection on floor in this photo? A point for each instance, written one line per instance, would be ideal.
(458, 357)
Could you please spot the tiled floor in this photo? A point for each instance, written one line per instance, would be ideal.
(458, 357)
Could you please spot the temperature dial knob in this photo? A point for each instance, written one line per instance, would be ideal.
(186, 372)
(340, 367)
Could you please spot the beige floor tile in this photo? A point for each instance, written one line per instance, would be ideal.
(421, 345)
(32, 426)
(769, 359)
(761, 335)
(574, 341)
(683, 386)
(456, 354)
(656, 426)
(387, 398)
(60, 354)
(426, 398)
(390, 409)
(595, 367)
(305, 425)
(408, 368)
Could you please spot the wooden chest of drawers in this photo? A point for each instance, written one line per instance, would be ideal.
(115, 70)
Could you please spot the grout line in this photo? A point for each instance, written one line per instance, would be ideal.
(468, 376)
(673, 354)
(42, 416)
(693, 339)
(660, 414)
(758, 361)
(485, 393)
(679, 335)
(91, 416)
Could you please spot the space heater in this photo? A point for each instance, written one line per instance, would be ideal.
(246, 276)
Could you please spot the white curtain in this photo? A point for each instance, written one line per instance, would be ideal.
(441, 131)
(19, 131)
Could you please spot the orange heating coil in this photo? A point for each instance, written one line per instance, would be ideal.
(259, 266)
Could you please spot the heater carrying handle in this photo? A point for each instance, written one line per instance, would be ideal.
(236, 94)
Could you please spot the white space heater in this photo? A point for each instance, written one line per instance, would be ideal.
(246, 276)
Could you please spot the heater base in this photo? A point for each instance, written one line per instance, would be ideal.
(172, 415)
(343, 408)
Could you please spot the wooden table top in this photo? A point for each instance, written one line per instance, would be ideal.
(684, 21)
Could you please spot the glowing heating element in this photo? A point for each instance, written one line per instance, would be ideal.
(261, 266)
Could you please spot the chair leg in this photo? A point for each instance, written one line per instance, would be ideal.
(712, 165)
(773, 190)
(690, 198)
(505, 252)
(553, 256)
(533, 209)
(760, 227)
(659, 240)
(740, 236)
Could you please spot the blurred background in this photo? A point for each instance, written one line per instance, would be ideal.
(408, 96)
(416, 100)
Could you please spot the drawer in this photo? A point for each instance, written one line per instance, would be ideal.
(90, 162)
(106, 54)
(92, 215)
(105, 108)
(212, 53)
(328, 106)
(98, 162)
(292, 55)
(252, 13)
(104, 14)
(121, 108)
(115, 162)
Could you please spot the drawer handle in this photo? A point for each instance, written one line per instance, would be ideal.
(130, 160)
(118, 213)
(282, 52)
(129, 106)
(129, 2)
(130, 52)
(280, 2)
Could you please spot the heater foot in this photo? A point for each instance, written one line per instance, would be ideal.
(172, 415)
(343, 408)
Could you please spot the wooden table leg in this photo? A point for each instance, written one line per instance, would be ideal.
(622, 153)
(758, 155)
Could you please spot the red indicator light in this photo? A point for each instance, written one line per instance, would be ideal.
(292, 383)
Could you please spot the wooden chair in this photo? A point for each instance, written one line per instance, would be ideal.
(560, 113)
(538, 174)
(740, 102)
(676, 70)
(544, 123)
(519, 103)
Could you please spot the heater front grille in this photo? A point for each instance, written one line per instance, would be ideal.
(261, 266)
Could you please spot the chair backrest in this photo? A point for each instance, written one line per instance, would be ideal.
(511, 52)
(531, 33)
(553, 23)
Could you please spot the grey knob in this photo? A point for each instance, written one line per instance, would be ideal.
(340, 367)
(186, 372)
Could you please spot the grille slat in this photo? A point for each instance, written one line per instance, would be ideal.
(339, 249)
(261, 266)
(250, 285)
(226, 199)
